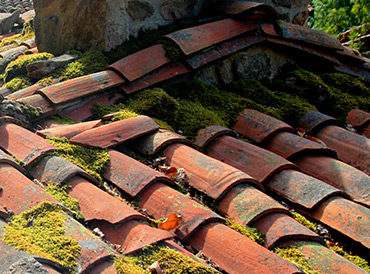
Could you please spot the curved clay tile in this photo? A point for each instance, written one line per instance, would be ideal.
(57, 170)
(259, 126)
(325, 260)
(347, 217)
(76, 88)
(160, 201)
(248, 9)
(140, 63)
(259, 163)
(290, 145)
(25, 92)
(115, 133)
(6, 159)
(278, 228)
(338, 174)
(23, 144)
(300, 188)
(40, 103)
(313, 121)
(360, 120)
(237, 254)
(68, 131)
(30, 43)
(205, 173)
(197, 38)
(150, 144)
(245, 204)
(130, 175)
(209, 134)
(19, 49)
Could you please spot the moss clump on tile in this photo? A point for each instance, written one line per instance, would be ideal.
(27, 33)
(60, 194)
(303, 220)
(63, 120)
(123, 114)
(155, 103)
(252, 233)
(18, 66)
(346, 83)
(40, 231)
(92, 160)
(170, 261)
(18, 83)
(173, 51)
(296, 257)
(125, 265)
(357, 260)
(99, 110)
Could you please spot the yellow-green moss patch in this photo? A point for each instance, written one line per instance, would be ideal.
(296, 257)
(357, 260)
(125, 265)
(92, 160)
(63, 120)
(40, 231)
(303, 220)
(18, 83)
(252, 233)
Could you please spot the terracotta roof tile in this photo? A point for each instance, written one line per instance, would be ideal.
(69, 90)
(115, 133)
(6, 159)
(245, 204)
(194, 39)
(240, 7)
(140, 63)
(41, 103)
(32, 50)
(314, 120)
(28, 91)
(30, 43)
(164, 73)
(237, 254)
(68, 131)
(123, 170)
(23, 144)
(347, 217)
(278, 228)
(8, 52)
(258, 126)
(205, 173)
(209, 134)
(360, 120)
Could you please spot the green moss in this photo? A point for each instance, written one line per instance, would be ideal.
(173, 51)
(339, 104)
(63, 120)
(302, 220)
(163, 124)
(44, 236)
(296, 257)
(18, 83)
(92, 160)
(352, 258)
(252, 233)
(46, 81)
(193, 117)
(18, 66)
(8, 40)
(155, 103)
(346, 83)
(170, 261)
(123, 114)
(125, 265)
(99, 110)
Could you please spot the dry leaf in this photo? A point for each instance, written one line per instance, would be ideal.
(155, 268)
(301, 132)
(171, 223)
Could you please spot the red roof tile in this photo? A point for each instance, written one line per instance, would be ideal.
(240, 7)
(209, 134)
(360, 120)
(314, 120)
(8, 52)
(194, 39)
(258, 126)
(30, 43)
(23, 144)
(115, 133)
(123, 171)
(28, 91)
(278, 228)
(69, 90)
(237, 254)
(41, 103)
(140, 63)
(205, 173)
(6, 159)
(245, 204)
(68, 131)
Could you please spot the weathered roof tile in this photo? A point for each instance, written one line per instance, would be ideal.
(68, 131)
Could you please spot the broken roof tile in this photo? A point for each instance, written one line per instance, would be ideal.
(235, 253)
(245, 204)
(300, 188)
(164, 73)
(140, 63)
(23, 144)
(57, 170)
(69, 90)
(347, 217)
(115, 133)
(205, 173)
(279, 227)
(122, 171)
(68, 131)
(258, 126)
(150, 144)
(314, 120)
(160, 201)
(197, 38)
(338, 174)
(96, 204)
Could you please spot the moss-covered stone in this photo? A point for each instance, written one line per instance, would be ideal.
(346, 83)
(18, 67)
(18, 83)
(296, 257)
(40, 231)
(252, 233)
(92, 160)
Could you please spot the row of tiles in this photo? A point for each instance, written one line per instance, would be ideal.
(239, 195)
